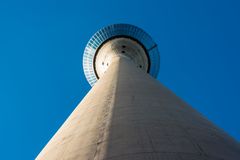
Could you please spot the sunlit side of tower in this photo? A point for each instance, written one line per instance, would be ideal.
(129, 115)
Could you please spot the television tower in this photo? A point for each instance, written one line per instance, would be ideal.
(129, 115)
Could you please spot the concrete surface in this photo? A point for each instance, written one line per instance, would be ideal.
(128, 115)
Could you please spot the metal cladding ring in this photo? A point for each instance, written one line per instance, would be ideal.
(119, 30)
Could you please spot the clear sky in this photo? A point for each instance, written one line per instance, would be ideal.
(41, 47)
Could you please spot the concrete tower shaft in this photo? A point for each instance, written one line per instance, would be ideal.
(128, 115)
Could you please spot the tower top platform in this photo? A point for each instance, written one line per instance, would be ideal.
(119, 39)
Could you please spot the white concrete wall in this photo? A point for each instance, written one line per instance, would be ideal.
(129, 115)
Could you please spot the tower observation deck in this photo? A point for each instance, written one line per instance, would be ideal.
(115, 40)
(128, 114)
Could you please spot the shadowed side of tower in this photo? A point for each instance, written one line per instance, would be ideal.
(129, 115)
(150, 122)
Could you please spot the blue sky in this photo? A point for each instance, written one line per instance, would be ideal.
(41, 47)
